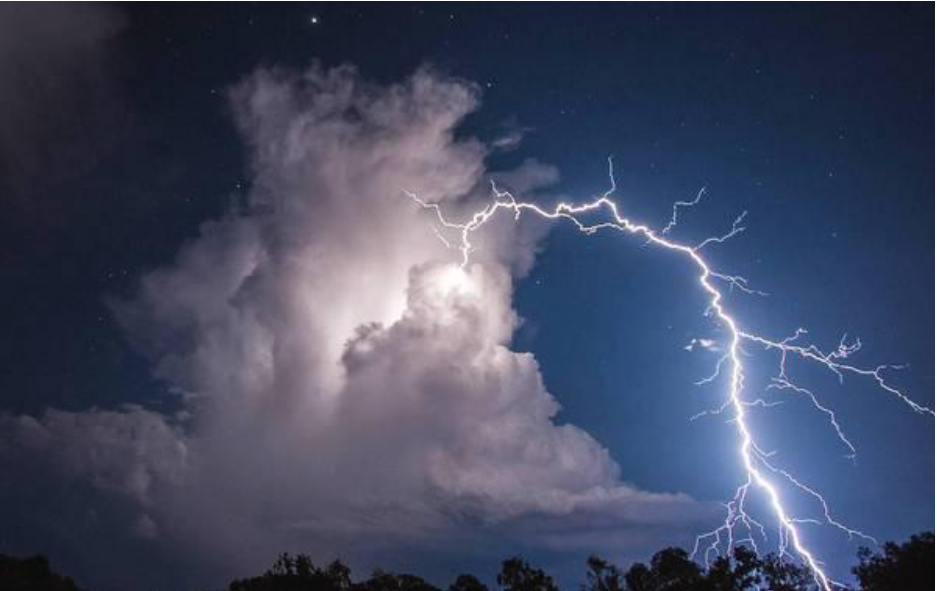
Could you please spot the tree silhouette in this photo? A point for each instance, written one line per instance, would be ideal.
(338, 574)
(297, 573)
(906, 566)
(602, 576)
(738, 573)
(781, 575)
(900, 567)
(517, 575)
(670, 569)
(384, 581)
(32, 574)
(467, 583)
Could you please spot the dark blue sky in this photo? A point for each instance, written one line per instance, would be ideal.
(815, 119)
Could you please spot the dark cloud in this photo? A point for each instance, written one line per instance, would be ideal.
(59, 111)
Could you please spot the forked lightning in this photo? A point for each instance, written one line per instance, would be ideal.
(759, 470)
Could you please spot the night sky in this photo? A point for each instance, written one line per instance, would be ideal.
(136, 139)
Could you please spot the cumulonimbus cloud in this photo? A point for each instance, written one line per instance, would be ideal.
(338, 388)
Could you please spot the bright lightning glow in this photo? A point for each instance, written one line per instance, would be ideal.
(759, 470)
(453, 279)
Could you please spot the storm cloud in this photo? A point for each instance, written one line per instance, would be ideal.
(340, 386)
(56, 95)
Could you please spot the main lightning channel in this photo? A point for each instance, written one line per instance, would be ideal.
(755, 461)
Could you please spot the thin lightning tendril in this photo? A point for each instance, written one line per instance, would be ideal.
(676, 207)
(756, 462)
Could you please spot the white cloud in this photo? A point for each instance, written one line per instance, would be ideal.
(340, 381)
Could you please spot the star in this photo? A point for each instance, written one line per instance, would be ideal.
(314, 20)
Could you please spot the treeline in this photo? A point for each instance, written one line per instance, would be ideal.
(32, 574)
(908, 566)
(899, 567)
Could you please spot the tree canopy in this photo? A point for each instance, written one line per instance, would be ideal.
(901, 566)
(908, 566)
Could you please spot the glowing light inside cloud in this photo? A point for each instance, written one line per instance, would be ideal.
(454, 279)
(760, 472)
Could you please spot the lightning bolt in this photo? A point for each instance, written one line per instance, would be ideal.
(759, 470)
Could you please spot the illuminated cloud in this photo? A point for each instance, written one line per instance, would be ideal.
(343, 386)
